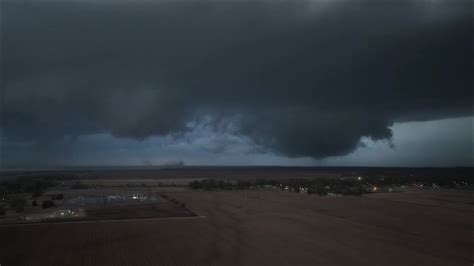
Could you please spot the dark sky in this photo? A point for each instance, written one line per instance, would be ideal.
(292, 82)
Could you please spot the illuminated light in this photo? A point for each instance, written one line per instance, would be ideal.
(375, 189)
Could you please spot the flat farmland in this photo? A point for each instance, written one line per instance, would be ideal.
(99, 204)
(263, 228)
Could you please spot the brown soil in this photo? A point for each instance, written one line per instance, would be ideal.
(264, 228)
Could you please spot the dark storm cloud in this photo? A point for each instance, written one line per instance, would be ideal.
(301, 78)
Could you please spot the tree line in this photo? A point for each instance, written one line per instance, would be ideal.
(322, 186)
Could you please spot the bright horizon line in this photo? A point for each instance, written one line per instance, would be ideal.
(209, 166)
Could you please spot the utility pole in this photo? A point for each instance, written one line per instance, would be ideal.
(245, 199)
(361, 190)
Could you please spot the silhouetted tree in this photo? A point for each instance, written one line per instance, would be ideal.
(47, 204)
(18, 203)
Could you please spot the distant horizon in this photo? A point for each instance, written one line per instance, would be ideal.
(157, 167)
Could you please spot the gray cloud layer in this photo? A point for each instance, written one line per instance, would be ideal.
(299, 78)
